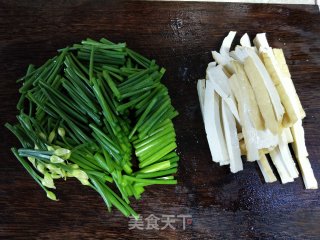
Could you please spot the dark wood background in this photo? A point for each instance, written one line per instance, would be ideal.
(180, 36)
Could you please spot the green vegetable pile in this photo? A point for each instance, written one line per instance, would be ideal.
(97, 112)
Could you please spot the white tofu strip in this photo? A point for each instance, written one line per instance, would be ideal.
(248, 130)
(230, 132)
(226, 44)
(287, 157)
(299, 144)
(239, 54)
(213, 127)
(245, 40)
(266, 139)
(201, 87)
(310, 182)
(278, 162)
(223, 57)
(300, 150)
(266, 169)
(248, 96)
(221, 86)
(223, 61)
(289, 136)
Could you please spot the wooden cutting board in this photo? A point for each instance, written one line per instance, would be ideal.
(180, 36)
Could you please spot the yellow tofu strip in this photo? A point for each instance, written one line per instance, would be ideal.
(248, 130)
(280, 79)
(289, 136)
(246, 88)
(287, 98)
(278, 163)
(288, 83)
(287, 157)
(266, 170)
(300, 151)
(261, 95)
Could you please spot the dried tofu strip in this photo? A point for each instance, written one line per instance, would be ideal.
(278, 163)
(223, 61)
(223, 57)
(220, 82)
(250, 108)
(230, 132)
(279, 56)
(213, 127)
(266, 139)
(289, 136)
(274, 96)
(250, 99)
(210, 65)
(239, 54)
(309, 180)
(299, 145)
(300, 150)
(287, 157)
(226, 44)
(261, 94)
(266, 169)
(243, 148)
(248, 130)
(287, 94)
(245, 40)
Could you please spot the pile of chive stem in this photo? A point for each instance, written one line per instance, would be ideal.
(85, 111)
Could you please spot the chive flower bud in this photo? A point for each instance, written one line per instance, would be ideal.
(61, 132)
(63, 153)
(43, 136)
(56, 159)
(52, 135)
(41, 168)
(48, 181)
(51, 195)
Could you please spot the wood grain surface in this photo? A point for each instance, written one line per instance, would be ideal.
(180, 36)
